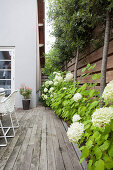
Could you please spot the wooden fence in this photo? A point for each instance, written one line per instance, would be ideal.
(94, 57)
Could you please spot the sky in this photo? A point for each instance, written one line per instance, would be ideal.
(49, 39)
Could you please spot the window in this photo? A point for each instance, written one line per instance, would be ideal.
(7, 69)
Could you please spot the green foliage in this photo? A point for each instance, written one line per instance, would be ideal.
(74, 22)
(96, 143)
(25, 91)
(52, 62)
(73, 26)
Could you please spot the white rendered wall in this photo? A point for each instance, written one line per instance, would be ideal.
(18, 28)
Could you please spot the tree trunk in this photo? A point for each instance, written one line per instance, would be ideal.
(105, 53)
(76, 64)
(66, 66)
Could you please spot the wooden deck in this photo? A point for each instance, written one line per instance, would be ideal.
(40, 143)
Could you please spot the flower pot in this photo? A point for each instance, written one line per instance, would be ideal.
(26, 104)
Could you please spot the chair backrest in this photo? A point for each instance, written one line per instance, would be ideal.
(7, 104)
(2, 90)
(2, 95)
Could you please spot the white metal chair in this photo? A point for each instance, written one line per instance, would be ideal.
(2, 95)
(7, 107)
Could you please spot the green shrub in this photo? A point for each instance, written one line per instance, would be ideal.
(68, 99)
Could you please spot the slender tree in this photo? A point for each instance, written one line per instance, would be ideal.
(105, 53)
(76, 64)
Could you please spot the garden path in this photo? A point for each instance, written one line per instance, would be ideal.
(40, 143)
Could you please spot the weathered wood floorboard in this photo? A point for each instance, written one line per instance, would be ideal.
(40, 143)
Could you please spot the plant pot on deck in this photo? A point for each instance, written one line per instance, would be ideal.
(26, 104)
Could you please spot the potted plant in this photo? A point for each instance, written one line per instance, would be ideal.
(25, 91)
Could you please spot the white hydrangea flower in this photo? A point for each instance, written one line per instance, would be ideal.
(108, 92)
(50, 82)
(77, 97)
(45, 90)
(47, 83)
(75, 132)
(69, 77)
(44, 96)
(76, 118)
(55, 83)
(64, 88)
(57, 73)
(102, 116)
(51, 89)
(58, 78)
(51, 95)
(54, 72)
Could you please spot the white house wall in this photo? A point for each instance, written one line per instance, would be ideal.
(18, 28)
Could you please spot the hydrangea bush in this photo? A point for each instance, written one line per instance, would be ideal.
(91, 127)
(75, 131)
(108, 92)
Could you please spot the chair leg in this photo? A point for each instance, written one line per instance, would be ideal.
(4, 135)
(16, 120)
(12, 125)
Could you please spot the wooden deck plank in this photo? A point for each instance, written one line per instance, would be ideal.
(40, 143)
(4, 150)
(21, 154)
(43, 154)
(50, 150)
(63, 148)
(57, 152)
(20, 118)
(37, 145)
(14, 147)
(73, 157)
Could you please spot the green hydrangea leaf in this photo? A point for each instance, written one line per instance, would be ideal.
(90, 164)
(98, 153)
(85, 153)
(110, 152)
(93, 104)
(105, 145)
(108, 162)
(89, 144)
(99, 165)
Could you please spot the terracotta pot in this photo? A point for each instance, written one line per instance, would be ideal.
(26, 104)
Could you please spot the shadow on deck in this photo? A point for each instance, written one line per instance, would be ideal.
(40, 143)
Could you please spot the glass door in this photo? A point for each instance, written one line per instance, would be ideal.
(7, 69)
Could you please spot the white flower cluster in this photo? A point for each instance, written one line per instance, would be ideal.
(69, 77)
(51, 95)
(44, 96)
(108, 92)
(51, 89)
(45, 89)
(76, 118)
(75, 132)
(77, 97)
(64, 88)
(47, 83)
(55, 83)
(57, 73)
(102, 116)
(58, 78)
